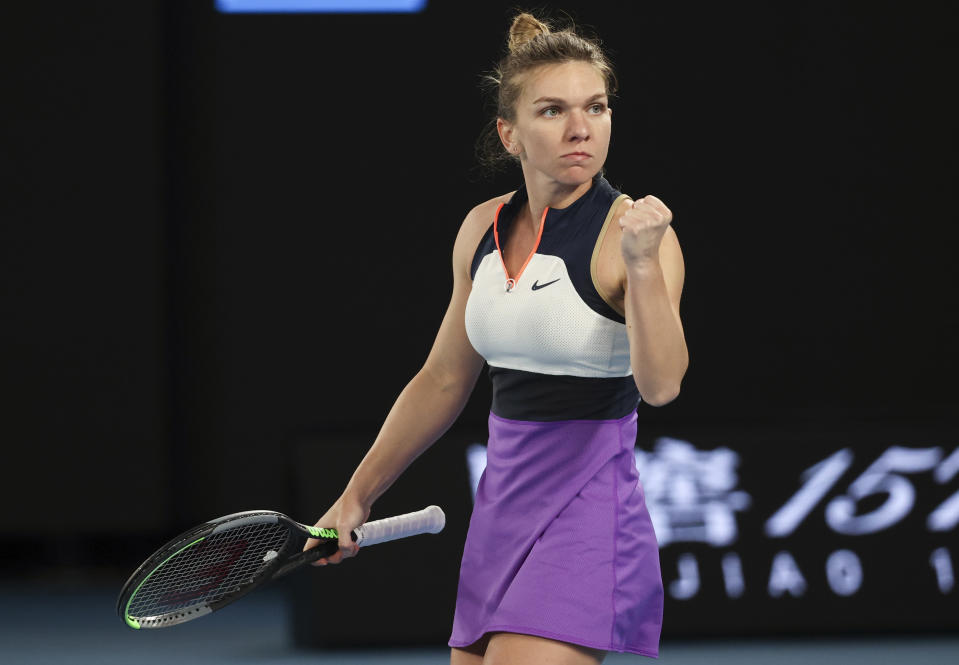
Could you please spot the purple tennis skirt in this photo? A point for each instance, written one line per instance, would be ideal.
(560, 544)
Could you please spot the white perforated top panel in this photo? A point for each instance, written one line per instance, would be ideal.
(542, 325)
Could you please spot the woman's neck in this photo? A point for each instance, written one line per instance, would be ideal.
(543, 193)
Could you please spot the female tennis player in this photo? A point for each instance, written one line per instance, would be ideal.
(570, 291)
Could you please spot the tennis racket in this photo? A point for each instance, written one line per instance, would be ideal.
(220, 561)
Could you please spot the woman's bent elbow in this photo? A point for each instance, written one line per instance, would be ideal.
(660, 397)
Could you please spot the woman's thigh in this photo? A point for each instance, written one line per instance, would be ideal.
(463, 657)
(471, 655)
(512, 648)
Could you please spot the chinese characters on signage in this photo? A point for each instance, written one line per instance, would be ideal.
(696, 497)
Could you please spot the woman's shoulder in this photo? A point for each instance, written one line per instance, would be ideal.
(480, 218)
(474, 227)
(482, 214)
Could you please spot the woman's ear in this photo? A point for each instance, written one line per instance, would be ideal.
(507, 135)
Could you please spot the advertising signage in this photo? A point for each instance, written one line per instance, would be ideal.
(785, 533)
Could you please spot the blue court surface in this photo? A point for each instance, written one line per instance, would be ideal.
(79, 626)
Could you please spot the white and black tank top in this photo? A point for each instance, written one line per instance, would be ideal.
(556, 349)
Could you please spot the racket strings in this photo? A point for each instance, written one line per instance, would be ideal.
(208, 570)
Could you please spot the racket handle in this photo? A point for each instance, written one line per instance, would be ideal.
(428, 520)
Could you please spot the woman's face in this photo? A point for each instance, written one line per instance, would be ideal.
(562, 124)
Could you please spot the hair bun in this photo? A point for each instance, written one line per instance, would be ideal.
(524, 29)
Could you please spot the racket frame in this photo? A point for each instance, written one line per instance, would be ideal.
(288, 559)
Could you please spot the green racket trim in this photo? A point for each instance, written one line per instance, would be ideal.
(322, 533)
(133, 623)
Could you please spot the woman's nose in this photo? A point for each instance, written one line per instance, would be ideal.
(578, 128)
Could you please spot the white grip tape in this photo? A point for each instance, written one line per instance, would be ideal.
(428, 520)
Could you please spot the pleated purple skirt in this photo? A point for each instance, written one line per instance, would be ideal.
(560, 543)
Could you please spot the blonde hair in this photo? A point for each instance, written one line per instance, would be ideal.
(533, 43)
(525, 27)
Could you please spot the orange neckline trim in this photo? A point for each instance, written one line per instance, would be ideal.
(511, 282)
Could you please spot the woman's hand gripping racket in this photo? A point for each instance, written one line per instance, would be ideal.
(218, 562)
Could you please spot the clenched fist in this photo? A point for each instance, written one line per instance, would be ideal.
(643, 225)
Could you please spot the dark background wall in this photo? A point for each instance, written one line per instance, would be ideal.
(224, 234)
(82, 292)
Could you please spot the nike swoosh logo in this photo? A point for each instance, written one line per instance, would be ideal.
(537, 285)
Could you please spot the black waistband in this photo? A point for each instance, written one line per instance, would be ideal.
(520, 395)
